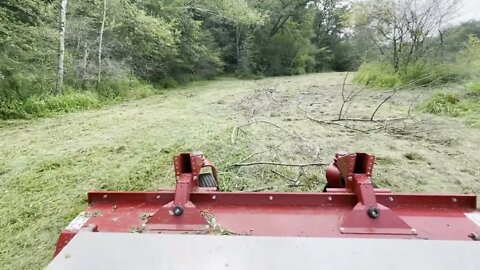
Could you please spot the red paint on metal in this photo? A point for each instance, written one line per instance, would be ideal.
(164, 220)
(181, 214)
(462, 202)
(334, 178)
(339, 212)
(367, 217)
(433, 216)
(63, 240)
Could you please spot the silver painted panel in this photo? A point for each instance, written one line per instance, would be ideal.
(156, 251)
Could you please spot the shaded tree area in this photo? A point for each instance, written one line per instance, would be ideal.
(110, 43)
(411, 41)
(106, 49)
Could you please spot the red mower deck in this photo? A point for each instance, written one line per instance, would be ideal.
(350, 207)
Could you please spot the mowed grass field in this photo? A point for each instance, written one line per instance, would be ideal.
(48, 165)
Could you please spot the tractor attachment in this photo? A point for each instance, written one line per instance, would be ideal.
(345, 217)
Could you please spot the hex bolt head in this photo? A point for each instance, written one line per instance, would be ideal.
(270, 198)
(454, 199)
(373, 212)
(177, 211)
(214, 197)
(350, 178)
(342, 230)
(414, 231)
(390, 199)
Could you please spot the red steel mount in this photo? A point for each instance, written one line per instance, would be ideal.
(181, 214)
(367, 217)
(352, 173)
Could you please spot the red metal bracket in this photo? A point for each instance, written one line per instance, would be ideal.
(181, 214)
(353, 172)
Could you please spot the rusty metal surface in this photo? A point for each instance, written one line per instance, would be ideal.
(122, 251)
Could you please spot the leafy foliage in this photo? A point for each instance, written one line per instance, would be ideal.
(377, 75)
(163, 43)
(43, 106)
(474, 88)
(444, 104)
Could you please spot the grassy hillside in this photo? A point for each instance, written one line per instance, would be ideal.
(48, 165)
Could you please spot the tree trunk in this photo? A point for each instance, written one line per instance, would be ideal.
(61, 45)
(99, 77)
(84, 64)
(238, 44)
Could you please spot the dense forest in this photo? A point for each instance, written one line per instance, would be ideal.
(58, 55)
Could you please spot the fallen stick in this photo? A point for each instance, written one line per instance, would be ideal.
(278, 164)
(336, 124)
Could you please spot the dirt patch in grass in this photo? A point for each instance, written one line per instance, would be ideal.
(48, 165)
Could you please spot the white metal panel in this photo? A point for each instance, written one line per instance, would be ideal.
(156, 251)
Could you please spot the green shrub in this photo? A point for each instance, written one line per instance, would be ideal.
(123, 89)
(422, 74)
(444, 104)
(473, 88)
(36, 106)
(377, 75)
(245, 75)
(68, 102)
(11, 109)
(168, 83)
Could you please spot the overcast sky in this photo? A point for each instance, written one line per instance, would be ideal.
(469, 10)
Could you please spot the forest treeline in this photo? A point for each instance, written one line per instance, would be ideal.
(120, 48)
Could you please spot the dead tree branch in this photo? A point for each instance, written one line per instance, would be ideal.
(336, 124)
(318, 164)
(347, 99)
(239, 128)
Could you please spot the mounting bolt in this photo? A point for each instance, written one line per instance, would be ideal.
(105, 196)
(342, 230)
(414, 231)
(177, 211)
(158, 196)
(195, 178)
(214, 197)
(270, 198)
(329, 198)
(454, 199)
(373, 212)
(390, 199)
(350, 178)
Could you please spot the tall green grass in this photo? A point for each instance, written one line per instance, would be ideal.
(455, 105)
(36, 106)
(473, 88)
(108, 91)
(77, 96)
(444, 104)
(379, 75)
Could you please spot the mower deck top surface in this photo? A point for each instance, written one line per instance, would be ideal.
(176, 251)
(432, 217)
